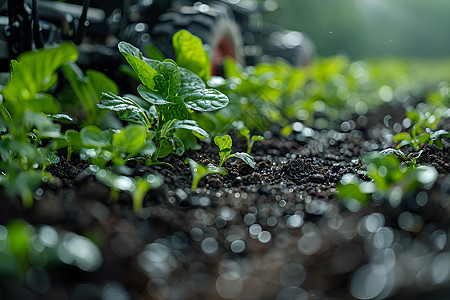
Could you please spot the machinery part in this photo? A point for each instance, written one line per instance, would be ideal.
(213, 24)
(293, 46)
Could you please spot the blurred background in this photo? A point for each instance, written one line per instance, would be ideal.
(367, 28)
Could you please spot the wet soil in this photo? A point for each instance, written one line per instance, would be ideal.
(273, 232)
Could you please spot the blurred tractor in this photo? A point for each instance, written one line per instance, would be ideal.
(232, 28)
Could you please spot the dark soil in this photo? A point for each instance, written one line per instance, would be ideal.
(275, 232)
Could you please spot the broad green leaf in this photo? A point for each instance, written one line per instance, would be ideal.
(131, 139)
(189, 125)
(154, 53)
(99, 83)
(80, 86)
(224, 143)
(143, 70)
(168, 81)
(148, 149)
(45, 103)
(45, 126)
(206, 100)
(402, 136)
(35, 71)
(60, 117)
(151, 96)
(126, 108)
(48, 156)
(190, 82)
(24, 185)
(92, 136)
(175, 110)
(178, 145)
(247, 158)
(190, 53)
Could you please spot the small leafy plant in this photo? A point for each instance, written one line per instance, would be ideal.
(423, 131)
(224, 143)
(199, 170)
(245, 132)
(391, 178)
(26, 119)
(169, 93)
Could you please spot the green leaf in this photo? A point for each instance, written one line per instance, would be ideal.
(247, 158)
(150, 96)
(402, 136)
(60, 117)
(126, 108)
(154, 53)
(206, 100)
(168, 81)
(45, 103)
(257, 138)
(143, 70)
(48, 156)
(131, 139)
(190, 82)
(92, 136)
(35, 71)
(224, 143)
(189, 125)
(190, 53)
(142, 186)
(244, 131)
(175, 110)
(198, 171)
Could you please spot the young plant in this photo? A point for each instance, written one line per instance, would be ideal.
(224, 143)
(137, 187)
(26, 113)
(420, 136)
(199, 170)
(245, 132)
(391, 179)
(422, 132)
(170, 92)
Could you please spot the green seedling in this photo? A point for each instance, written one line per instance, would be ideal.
(199, 170)
(224, 143)
(245, 132)
(391, 179)
(26, 113)
(170, 93)
(137, 187)
(420, 137)
(88, 89)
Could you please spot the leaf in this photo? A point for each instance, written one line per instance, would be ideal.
(45, 103)
(60, 117)
(178, 145)
(189, 125)
(175, 110)
(190, 53)
(257, 138)
(198, 171)
(247, 158)
(150, 96)
(154, 53)
(130, 139)
(168, 81)
(92, 136)
(126, 108)
(48, 156)
(224, 143)
(244, 131)
(142, 186)
(34, 71)
(402, 136)
(142, 68)
(190, 82)
(206, 100)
